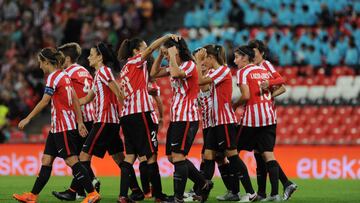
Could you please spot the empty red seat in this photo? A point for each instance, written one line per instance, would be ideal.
(327, 111)
(310, 111)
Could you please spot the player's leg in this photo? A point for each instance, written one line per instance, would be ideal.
(227, 137)
(261, 175)
(47, 160)
(76, 190)
(144, 178)
(227, 178)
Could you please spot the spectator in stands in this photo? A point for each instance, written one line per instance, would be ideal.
(284, 16)
(4, 110)
(352, 55)
(326, 18)
(313, 57)
(236, 15)
(333, 56)
(285, 56)
(300, 57)
(218, 16)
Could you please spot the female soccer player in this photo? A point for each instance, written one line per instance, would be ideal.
(81, 80)
(259, 119)
(184, 118)
(222, 136)
(137, 111)
(104, 136)
(61, 139)
(260, 50)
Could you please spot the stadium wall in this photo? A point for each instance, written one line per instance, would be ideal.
(306, 162)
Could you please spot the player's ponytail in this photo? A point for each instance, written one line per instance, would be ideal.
(184, 52)
(216, 51)
(127, 47)
(108, 56)
(260, 45)
(53, 56)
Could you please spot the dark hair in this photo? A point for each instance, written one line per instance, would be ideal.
(108, 56)
(84, 61)
(127, 47)
(184, 52)
(246, 51)
(53, 56)
(260, 45)
(72, 50)
(217, 51)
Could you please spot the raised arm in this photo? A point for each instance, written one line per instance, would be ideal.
(174, 68)
(38, 108)
(199, 57)
(157, 43)
(156, 70)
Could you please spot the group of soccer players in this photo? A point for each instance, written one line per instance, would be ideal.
(87, 113)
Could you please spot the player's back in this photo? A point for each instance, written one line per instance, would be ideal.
(255, 77)
(81, 79)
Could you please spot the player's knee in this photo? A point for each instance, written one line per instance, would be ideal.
(47, 160)
(170, 159)
(230, 153)
(84, 156)
(268, 156)
(152, 159)
(176, 157)
(209, 154)
(71, 160)
(118, 157)
(130, 158)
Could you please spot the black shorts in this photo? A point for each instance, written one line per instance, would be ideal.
(261, 139)
(140, 134)
(79, 141)
(221, 137)
(103, 137)
(61, 144)
(180, 136)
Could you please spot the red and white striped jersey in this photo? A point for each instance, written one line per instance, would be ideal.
(223, 112)
(82, 80)
(184, 106)
(277, 79)
(206, 105)
(105, 103)
(133, 83)
(153, 87)
(59, 86)
(259, 109)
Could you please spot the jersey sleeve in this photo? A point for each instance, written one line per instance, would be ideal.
(219, 75)
(50, 85)
(241, 78)
(276, 80)
(107, 75)
(188, 68)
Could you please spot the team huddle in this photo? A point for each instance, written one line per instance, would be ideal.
(87, 113)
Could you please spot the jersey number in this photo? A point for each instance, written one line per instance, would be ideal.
(264, 95)
(86, 88)
(69, 94)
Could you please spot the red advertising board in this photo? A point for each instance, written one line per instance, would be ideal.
(330, 162)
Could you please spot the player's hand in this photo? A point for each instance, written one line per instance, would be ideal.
(162, 51)
(172, 51)
(265, 85)
(82, 130)
(23, 123)
(176, 38)
(200, 55)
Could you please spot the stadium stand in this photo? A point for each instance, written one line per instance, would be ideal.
(314, 44)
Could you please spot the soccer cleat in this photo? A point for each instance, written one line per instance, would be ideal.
(205, 191)
(96, 183)
(26, 197)
(191, 193)
(137, 195)
(163, 198)
(289, 190)
(260, 197)
(92, 198)
(274, 198)
(228, 196)
(66, 195)
(248, 197)
(125, 200)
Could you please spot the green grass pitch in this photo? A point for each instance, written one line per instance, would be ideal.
(308, 191)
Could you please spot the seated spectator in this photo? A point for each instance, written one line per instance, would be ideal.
(236, 15)
(352, 54)
(333, 56)
(252, 15)
(300, 56)
(284, 15)
(218, 17)
(313, 57)
(285, 56)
